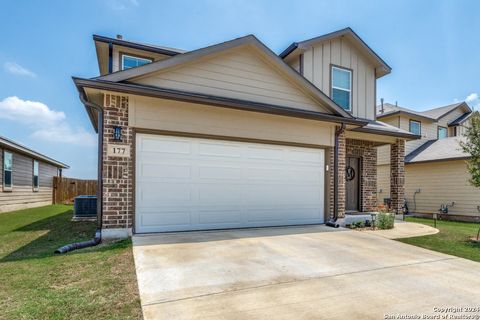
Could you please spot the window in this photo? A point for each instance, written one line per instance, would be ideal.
(342, 87)
(415, 127)
(35, 176)
(132, 62)
(442, 132)
(7, 171)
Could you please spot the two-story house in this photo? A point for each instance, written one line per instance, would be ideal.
(435, 168)
(233, 135)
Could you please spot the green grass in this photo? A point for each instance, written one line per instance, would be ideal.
(453, 238)
(91, 283)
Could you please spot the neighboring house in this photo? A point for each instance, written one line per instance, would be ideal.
(27, 176)
(435, 168)
(233, 135)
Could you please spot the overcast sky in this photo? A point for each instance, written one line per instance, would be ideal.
(432, 46)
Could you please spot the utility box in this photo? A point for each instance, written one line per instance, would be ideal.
(85, 206)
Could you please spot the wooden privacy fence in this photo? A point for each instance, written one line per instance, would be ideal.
(66, 189)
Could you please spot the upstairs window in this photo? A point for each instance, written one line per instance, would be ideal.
(7, 171)
(415, 127)
(35, 176)
(342, 87)
(133, 62)
(442, 132)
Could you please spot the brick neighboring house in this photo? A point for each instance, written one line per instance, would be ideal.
(27, 176)
(233, 135)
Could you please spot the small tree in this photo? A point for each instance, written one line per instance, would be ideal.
(471, 146)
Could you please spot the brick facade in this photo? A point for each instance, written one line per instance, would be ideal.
(397, 175)
(117, 176)
(367, 152)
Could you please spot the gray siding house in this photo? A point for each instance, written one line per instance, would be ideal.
(27, 176)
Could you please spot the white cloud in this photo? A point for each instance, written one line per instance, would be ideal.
(18, 70)
(473, 100)
(45, 123)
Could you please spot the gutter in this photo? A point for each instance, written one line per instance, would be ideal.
(98, 234)
(333, 221)
(223, 102)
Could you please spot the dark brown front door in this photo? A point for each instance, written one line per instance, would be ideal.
(352, 184)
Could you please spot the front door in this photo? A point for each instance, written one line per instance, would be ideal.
(352, 184)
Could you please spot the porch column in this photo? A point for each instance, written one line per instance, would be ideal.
(397, 175)
(341, 175)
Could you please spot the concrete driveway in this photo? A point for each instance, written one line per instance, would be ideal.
(296, 273)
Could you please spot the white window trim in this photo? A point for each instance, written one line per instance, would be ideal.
(35, 188)
(134, 57)
(5, 188)
(343, 89)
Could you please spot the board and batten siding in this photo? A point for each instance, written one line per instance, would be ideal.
(177, 116)
(239, 73)
(317, 63)
(22, 195)
(441, 183)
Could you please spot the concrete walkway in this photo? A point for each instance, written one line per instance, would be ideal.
(404, 229)
(296, 273)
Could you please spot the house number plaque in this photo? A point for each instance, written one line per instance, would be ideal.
(118, 150)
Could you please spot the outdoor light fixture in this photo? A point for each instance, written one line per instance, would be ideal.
(117, 133)
(374, 217)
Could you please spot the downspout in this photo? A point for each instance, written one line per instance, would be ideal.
(333, 221)
(98, 234)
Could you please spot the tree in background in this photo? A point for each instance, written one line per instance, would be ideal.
(471, 146)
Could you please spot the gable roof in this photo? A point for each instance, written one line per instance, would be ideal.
(14, 146)
(138, 45)
(382, 67)
(438, 150)
(460, 119)
(432, 114)
(249, 40)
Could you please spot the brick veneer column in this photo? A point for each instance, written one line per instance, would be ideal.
(341, 175)
(366, 151)
(117, 171)
(397, 174)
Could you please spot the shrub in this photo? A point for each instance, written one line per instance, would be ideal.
(385, 220)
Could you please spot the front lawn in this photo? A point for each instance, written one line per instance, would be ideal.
(92, 283)
(453, 238)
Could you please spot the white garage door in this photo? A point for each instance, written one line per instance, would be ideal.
(200, 184)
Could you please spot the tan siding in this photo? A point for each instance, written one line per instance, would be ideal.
(450, 117)
(22, 194)
(239, 74)
(160, 114)
(383, 154)
(341, 52)
(441, 182)
(383, 182)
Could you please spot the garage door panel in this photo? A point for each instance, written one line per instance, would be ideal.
(165, 170)
(166, 218)
(151, 194)
(210, 184)
(159, 145)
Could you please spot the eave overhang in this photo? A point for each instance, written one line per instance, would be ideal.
(164, 93)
